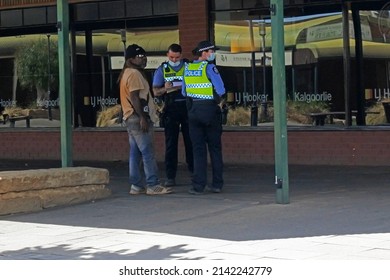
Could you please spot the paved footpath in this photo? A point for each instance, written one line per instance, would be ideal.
(335, 213)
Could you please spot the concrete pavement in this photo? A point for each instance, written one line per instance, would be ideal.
(335, 213)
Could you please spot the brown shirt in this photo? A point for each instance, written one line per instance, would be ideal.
(132, 80)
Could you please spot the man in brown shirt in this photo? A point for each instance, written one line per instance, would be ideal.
(137, 108)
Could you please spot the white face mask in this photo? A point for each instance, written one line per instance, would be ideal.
(211, 57)
(174, 64)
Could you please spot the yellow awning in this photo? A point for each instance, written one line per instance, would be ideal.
(334, 48)
(151, 42)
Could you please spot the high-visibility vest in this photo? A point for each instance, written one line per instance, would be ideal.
(170, 74)
(197, 83)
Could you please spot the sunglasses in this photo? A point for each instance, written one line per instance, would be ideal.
(140, 55)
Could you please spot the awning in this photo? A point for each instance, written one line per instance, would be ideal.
(103, 43)
(151, 42)
(334, 48)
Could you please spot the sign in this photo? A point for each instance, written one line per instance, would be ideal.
(153, 62)
(244, 59)
(335, 31)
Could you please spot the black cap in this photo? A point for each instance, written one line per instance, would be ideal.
(204, 46)
(133, 50)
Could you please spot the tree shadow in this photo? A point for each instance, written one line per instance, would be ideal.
(68, 252)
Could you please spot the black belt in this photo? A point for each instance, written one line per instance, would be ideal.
(203, 101)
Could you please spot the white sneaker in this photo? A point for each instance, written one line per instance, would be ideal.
(156, 190)
(137, 190)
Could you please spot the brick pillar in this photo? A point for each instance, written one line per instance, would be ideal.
(193, 24)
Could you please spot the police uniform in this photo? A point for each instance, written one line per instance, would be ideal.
(203, 87)
(174, 118)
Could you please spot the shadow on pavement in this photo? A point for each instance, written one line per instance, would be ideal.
(324, 200)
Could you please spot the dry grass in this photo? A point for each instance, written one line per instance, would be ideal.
(297, 111)
(16, 111)
(108, 116)
(241, 116)
(238, 116)
(376, 119)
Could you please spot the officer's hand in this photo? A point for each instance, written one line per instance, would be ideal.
(168, 85)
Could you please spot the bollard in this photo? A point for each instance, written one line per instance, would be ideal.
(263, 112)
(254, 112)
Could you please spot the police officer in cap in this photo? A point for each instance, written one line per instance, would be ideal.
(167, 84)
(204, 87)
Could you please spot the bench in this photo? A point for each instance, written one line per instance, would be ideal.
(12, 120)
(319, 118)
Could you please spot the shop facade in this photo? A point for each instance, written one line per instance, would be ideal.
(315, 72)
(314, 54)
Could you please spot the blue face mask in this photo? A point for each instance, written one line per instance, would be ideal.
(174, 64)
(211, 57)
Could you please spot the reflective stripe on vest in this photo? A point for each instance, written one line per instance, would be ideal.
(172, 75)
(197, 83)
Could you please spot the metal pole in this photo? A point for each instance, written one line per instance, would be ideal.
(360, 102)
(262, 33)
(254, 108)
(65, 85)
(347, 65)
(48, 77)
(280, 119)
(123, 39)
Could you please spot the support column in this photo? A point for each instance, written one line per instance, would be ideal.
(347, 65)
(65, 85)
(280, 118)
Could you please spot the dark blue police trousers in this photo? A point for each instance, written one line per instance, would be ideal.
(205, 132)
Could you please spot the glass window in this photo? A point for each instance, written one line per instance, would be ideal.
(86, 12)
(161, 7)
(34, 16)
(234, 4)
(6, 80)
(314, 61)
(253, 3)
(136, 8)
(226, 4)
(11, 18)
(52, 14)
(112, 9)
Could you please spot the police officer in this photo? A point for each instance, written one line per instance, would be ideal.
(204, 87)
(167, 83)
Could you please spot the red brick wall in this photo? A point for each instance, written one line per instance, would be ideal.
(193, 24)
(252, 146)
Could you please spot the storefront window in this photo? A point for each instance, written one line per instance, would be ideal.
(99, 58)
(94, 107)
(101, 30)
(314, 51)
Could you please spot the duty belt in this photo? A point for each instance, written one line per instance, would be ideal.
(203, 101)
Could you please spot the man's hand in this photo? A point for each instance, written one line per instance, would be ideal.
(136, 103)
(144, 124)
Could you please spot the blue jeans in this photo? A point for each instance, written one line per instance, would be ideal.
(141, 148)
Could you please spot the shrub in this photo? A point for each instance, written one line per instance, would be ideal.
(297, 111)
(375, 119)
